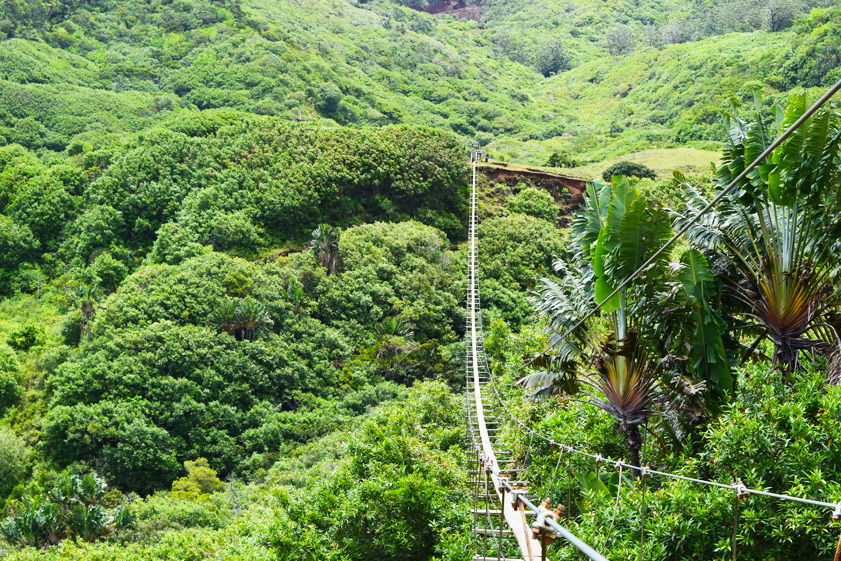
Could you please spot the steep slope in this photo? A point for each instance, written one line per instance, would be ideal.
(95, 70)
(665, 97)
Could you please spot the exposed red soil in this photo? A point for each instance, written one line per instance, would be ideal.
(457, 8)
(555, 184)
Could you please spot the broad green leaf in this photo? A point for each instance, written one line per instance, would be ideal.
(816, 135)
(623, 194)
(788, 153)
(603, 290)
(775, 188)
(599, 254)
(697, 269)
(633, 243)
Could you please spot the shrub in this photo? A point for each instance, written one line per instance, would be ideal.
(176, 243)
(109, 272)
(26, 337)
(327, 98)
(561, 160)
(391, 496)
(629, 169)
(552, 57)
(534, 202)
(15, 461)
(71, 328)
(201, 480)
(620, 40)
(10, 390)
(160, 512)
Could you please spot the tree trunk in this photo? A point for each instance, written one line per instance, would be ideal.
(634, 441)
(786, 358)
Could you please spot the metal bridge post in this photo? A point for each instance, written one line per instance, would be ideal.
(487, 511)
(501, 524)
(476, 507)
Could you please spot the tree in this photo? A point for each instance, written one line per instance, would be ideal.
(87, 296)
(620, 40)
(561, 160)
(294, 293)
(32, 279)
(673, 32)
(325, 244)
(10, 370)
(629, 169)
(534, 202)
(552, 57)
(327, 98)
(780, 14)
(617, 231)
(16, 461)
(241, 318)
(252, 318)
(17, 245)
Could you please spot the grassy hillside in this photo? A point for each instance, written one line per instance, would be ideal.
(663, 162)
(667, 97)
(82, 71)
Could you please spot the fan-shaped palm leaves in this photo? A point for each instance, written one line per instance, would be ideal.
(393, 327)
(560, 304)
(252, 317)
(617, 232)
(224, 317)
(325, 244)
(295, 294)
(625, 385)
(71, 509)
(775, 240)
(241, 318)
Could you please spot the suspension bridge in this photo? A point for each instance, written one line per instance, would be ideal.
(507, 518)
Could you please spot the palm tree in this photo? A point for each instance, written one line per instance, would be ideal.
(617, 232)
(224, 316)
(242, 319)
(625, 386)
(87, 297)
(325, 244)
(295, 294)
(393, 327)
(252, 317)
(775, 240)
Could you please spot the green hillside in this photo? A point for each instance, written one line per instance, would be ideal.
(669, 97)
(234, 259)
(132, 64)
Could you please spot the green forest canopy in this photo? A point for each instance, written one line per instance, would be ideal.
(162, 167)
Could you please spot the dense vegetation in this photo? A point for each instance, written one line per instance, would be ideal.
(221, 292)
(76, 73)
(664, 361)
(232, 273)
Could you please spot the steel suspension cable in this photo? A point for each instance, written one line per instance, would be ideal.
(836, 506)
